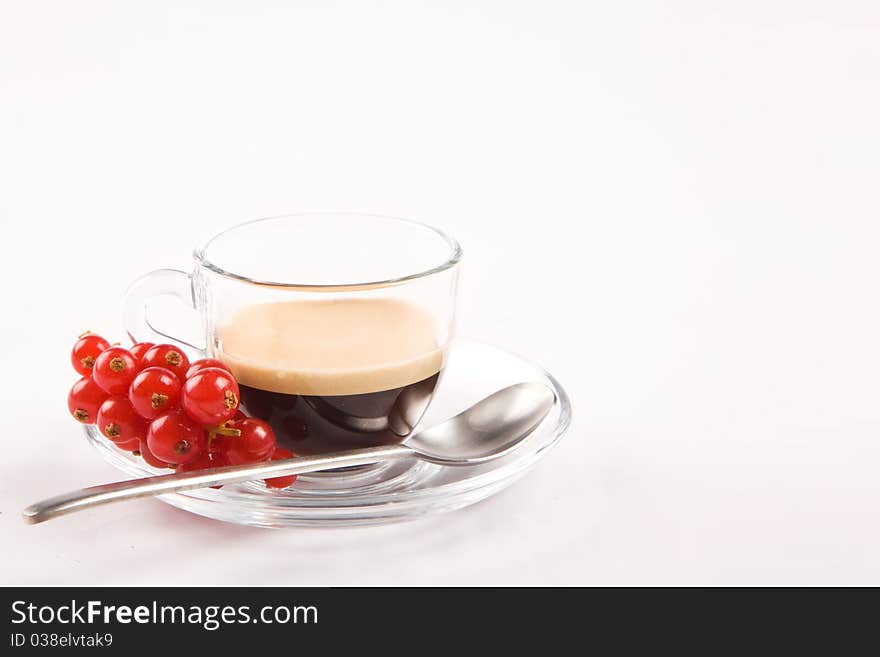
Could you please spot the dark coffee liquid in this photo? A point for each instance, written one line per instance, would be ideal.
(321, 424)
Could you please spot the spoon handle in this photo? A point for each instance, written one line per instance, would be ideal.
(159, 485)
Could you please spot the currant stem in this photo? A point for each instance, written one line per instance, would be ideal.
(224, 431)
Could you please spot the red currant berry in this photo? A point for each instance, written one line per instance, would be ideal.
(202, 461)
(118, 421)
(85, 399)
(114, 370)
(256, 442)
(218, 455)
(138, 349)
(210, 396)
(86, 351)
(283, 481)
(154, 392)
(203, 364)
(168, 356)
(218, 445)
(149, 457)
(176, 438)
(133, 445)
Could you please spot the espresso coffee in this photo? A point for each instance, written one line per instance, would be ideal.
(333, 374)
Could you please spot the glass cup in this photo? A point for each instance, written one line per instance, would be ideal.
(335, 325)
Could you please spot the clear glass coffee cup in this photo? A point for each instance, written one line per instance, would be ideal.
(336, 326)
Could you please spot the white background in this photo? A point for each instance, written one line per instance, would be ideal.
(673, 206)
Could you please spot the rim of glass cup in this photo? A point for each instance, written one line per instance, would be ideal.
(454, 256)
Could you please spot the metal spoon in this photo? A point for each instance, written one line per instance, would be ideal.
(488, 430)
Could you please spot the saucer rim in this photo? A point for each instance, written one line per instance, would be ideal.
(239, 505)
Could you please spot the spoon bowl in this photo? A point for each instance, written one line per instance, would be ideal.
(490, 429)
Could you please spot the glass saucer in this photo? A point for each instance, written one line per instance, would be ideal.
(384, 492)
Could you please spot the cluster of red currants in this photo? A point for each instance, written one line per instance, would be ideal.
(150, 400)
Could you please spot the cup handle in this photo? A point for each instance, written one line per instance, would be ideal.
(136, 304)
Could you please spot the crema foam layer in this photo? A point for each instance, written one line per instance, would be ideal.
(330, 347)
